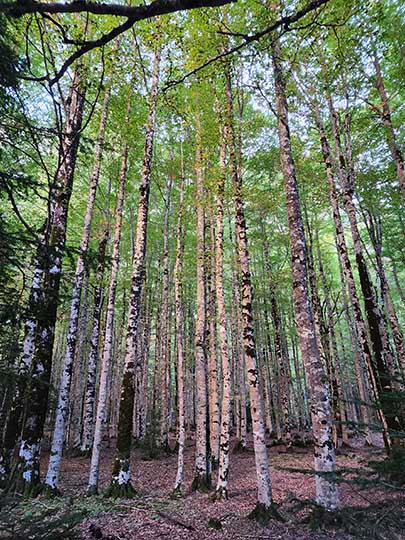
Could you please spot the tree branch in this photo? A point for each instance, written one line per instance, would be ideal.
(283, 22)
(137, 13)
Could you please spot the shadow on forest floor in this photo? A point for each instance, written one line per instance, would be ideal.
(373, 507)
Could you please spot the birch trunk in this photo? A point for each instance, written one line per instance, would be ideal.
(225, 435)
(52, 476)
(345, 265)
(378, 334)
(165, 358)
(325, 462)
(101, 408)
(12, 428)
(213, 398)
(202, 478)
(121, 475)
(389, 129)
(280, 351)
(26, 477)
(90, 389)
(264, 508)
(178, 271)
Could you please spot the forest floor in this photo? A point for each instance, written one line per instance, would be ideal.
(372, 508)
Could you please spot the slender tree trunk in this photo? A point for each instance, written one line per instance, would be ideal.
(374, 228)
(101, 408)
(264, 508)
(178, 271)
(225, 435)
(238, 358)
(202, 479)
(345, 264)
(378, 334)
(74, 424)
(279, 350)
(90, 389)
(121, 476)
(165, 358)
(52, 476)
(325, 461)
(389, 130)
(334, 351)
(213, 397)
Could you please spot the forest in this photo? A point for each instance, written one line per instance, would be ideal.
(202, 269)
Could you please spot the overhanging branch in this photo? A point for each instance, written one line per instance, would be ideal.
(137, 13)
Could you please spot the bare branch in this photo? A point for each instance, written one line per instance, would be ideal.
(136, 13)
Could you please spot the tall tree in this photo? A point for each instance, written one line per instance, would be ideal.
(325, 461)
(121, 477)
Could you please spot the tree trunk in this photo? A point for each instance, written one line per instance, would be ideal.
(178, 271)
(389, 130)
(52, 476)
(213, 398)
(345, 265)
(264, 508)
(202, 479)
(165, 357)
(325, 461)
(27, 472)
(378, 334)
(92, 487)
(74, 424)
(225, 435)
(280, 351)
(12, 428)
(121, 477)
(90, 389)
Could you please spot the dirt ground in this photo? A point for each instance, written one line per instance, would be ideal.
(152, 514)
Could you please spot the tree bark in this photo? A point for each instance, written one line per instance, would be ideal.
(346, 267)
(52, 476)
(90, 389)
(26, 477)
(101, 408)
(202, 478)
(378, 332)
(385, 115)
(121, 476)
(178, 293)
(225, 434)
(264, 493)
(325, 461)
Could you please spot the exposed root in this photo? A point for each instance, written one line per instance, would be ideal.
(322, 518)
(201, 483)
(176, 493)
(50, 492)
(91, 491)
(221, 494)
(263, 514)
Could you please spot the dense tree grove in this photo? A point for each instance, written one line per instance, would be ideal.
(201, 243)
